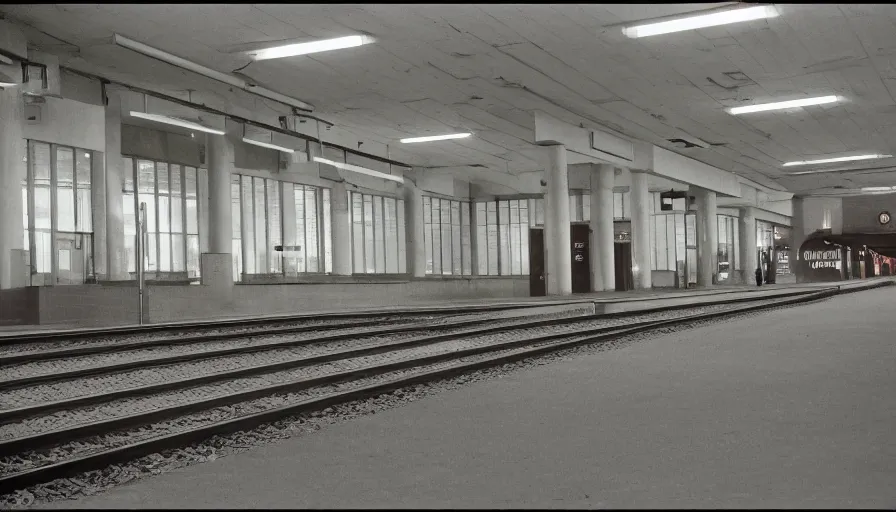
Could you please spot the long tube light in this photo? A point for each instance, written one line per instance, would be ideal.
(780, 105)
(436, 137)
(7, 81)
(183, 123)
(878, 189)
(838, 159)
(208, 72)
(268, 145)
(701, 21)
(292, 50)
(359, 169)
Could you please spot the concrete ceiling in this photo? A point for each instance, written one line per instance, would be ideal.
(485, 68)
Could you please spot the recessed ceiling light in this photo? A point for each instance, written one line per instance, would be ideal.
(292, 50)
(436, 137)
(780, 105)
(838, 159)
(701, 21)
(176, 122)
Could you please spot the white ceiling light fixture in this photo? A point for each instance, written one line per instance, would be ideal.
(268, 145)
(174, 121)
(436, 137)
(701, 21)
(878, 189)
(359, 169)
(781, 105)
(325, 45)
(7, 81)
(838, 159)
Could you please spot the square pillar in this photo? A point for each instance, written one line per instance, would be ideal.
(414, 229)
(217, 263)
(13, 148)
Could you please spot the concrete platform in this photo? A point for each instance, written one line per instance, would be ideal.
(605, 302)
(792, 408)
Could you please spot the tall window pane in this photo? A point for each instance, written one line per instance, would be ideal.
(65, 189)
(445, 226)
(391, 239)
(491, 214)
(247, 205)
(504, 237)
(357, 232)
(427, 233)
(481, 239)
(261, 239)
(328, 233)
(274, 226)
(301, 235)
(457, 249)
(524, 236)
(402, 248)
(379, 235)
(369, 253)
(236, 227)
(84, 218)
(312, 254)
(436, 236)
(466, 248)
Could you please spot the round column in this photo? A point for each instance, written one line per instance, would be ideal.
(640, 197)
(561, 244)
(603, 271)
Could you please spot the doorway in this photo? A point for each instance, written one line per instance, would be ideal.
(537, 285)
(580, 235)
(622, 254)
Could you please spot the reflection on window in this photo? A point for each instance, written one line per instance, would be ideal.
(377, 242)
(172, 216)
(580, 207)
(502, 234)
(446, 230)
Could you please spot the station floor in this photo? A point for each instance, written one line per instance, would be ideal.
(789, 408)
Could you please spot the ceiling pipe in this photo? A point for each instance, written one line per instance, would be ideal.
(106, 81)
(174, 60)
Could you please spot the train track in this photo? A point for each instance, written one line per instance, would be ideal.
(43, 440)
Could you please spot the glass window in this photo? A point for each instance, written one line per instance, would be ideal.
(275, 229)
(56, 198)
(502, 233)
(427, 233)
(328, 232)
(261, 242)
(379, 235)
(377, 246)
(301, 224)
(446, 234)
(312, 253)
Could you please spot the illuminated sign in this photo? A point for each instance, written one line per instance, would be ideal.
(823, 259)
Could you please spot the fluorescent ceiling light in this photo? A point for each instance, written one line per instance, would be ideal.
(268, 145)
(436, 137)
(780, 105)
(838, 159)
(7, 81)
(176, 122)
(701, 21)
(359, 169)
(291, 50)
(877, 189)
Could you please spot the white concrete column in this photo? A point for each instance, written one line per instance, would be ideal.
(640, 199)
(747, 241)
(217, 264)
(603, 270)
(13, 148)
(342, 230)
(413, 219)
(116, 256)
(560, 243)
(550, 258)
(707, 237)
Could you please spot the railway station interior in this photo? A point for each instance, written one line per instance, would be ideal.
(210, 162)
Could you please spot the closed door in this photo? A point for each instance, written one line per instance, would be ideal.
(537, 286)
(623, 262)
(581, 263)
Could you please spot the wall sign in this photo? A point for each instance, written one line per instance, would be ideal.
(822, 259)
(884, 218)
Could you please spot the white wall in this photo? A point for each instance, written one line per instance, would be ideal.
(813, 214)
(71, 123)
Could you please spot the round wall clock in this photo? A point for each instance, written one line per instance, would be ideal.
(884, 217)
